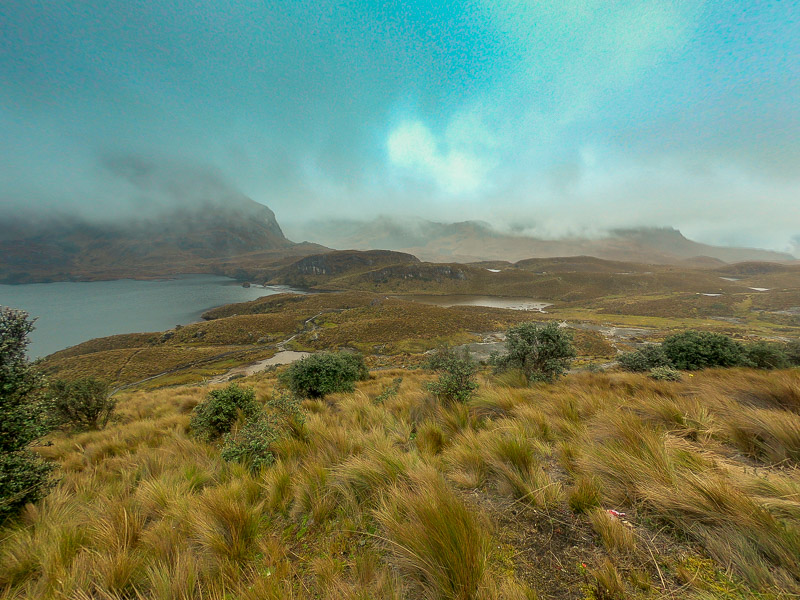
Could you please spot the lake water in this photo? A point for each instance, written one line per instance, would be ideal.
(73, 312)
(490, 301)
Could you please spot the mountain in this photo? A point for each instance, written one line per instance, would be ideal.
(210, 237)
(473, 241)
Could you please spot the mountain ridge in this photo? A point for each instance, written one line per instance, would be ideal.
(204, 238)
(475, 241)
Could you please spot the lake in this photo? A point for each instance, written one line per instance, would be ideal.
(490, 301)
(72, 312)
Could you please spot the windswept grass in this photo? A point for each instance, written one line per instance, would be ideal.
(505, 497)
(434, 539)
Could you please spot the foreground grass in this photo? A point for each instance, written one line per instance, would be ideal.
(389, 495)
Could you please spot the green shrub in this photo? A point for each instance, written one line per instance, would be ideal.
(792, 350)
(24, 477)
(457, 375)
(541, 352)
(253, 443)
(692, 350)
(325, 373)
(216, 415)
(765, 355)
(644, 359)
(665, 374)
(81, 404)
(389, 391)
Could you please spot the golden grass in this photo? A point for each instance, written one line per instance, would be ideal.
(404, 498)
(434, 540)
(615, 535)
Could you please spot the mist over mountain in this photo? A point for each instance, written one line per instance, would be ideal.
(580, 115)
(164, 241)
(471, 241)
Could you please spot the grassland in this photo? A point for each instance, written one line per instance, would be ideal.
(391, 331)
(385, 493)
(504, 497)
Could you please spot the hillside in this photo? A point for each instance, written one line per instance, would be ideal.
(562, 279)
(213, 237)
(472, 241)
(603, 486)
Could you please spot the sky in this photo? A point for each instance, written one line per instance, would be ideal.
(556, 118)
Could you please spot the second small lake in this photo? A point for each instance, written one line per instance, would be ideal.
(490, 301)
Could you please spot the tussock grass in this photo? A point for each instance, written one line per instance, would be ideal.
(440, 545)
(608, 584)
(584, 495)
(405, 498)
(615, 535)
(766, 434)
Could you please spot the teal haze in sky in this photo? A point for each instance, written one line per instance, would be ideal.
(559, 118)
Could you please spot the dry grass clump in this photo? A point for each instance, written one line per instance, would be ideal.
(516, 461)
(766, 434)
(608, 584)
(434, 540)
(615, 535)
(639, 465)
(584, 495)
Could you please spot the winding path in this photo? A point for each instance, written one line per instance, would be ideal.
(282, 357)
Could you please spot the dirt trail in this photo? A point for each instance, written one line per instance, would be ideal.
(283, 357)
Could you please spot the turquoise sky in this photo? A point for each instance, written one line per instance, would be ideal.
(557, 117)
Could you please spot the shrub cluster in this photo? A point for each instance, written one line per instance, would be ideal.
(457, 375)
(252, 444)
(792, 350)
(650, 357)
(81, 404)
(541, 352)
(24, 477)
(216, 415)
(665, 374)
(325, 373)
(766, 355)
(258, 429)
(693, 350)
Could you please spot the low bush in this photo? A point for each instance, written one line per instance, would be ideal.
(325, 373)
(82, 403)
(216, 415)
(389, 391)
(24, 477)
(792, 350)
(252, 444)
(457, 372)
(665, 374)
(644, 359)
(766, 355)
(541, 352)
(693, 350)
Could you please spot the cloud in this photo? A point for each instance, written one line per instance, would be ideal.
(570, 115)
(454, 169)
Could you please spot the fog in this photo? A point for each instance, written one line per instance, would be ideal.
(554, 119)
